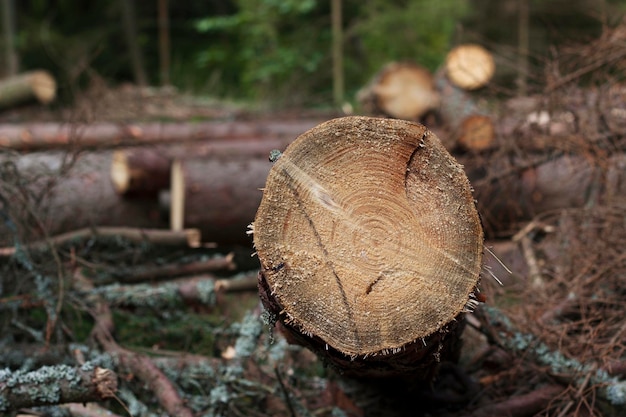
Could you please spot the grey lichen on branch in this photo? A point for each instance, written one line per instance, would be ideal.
(369, 241)
(613, 389)
(55, 385)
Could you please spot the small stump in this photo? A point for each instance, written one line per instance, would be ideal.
(370, 246)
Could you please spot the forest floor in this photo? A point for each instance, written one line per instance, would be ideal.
(549, 341)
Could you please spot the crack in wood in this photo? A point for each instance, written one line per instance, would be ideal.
(293, 187)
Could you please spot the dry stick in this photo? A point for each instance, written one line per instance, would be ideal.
(509, 337)
(58, 384)
(88, 410)
(170, 271)
(177, 210)
(187, 237)
(523, 237)
(521, 405)
(139, 365)
(197, 290)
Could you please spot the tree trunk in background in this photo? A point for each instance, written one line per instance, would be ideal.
(164, 41)
(338, 84)
(522, 47)
(10, 52)
(132, 35)
(370, 246)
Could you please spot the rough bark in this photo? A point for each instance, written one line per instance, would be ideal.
(370, 246)
(35, 85)
(402, 90)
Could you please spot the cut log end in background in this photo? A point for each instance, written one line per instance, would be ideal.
(370, 245)
(35, 85)
(401, 90)
(470, 66)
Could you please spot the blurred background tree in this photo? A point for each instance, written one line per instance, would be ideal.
(276, 51)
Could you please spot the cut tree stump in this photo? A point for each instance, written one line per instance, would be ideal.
(402, 90)
(35, 85)
(370, 246)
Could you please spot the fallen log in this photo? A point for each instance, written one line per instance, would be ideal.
(221, 196)
(34, 85)
(142, 172)
(45, 197)
(370, 246)
(402, 90)
(46, 136)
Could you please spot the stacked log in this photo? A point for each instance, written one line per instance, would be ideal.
(401, 90)
(467, 67)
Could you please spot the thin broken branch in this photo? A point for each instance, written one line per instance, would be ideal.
(187, 237)
(509, 337)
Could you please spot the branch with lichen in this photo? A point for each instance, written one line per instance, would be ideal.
(58, 384)
(165, 272)
(203, 289)
(137, 364)
(504, 332)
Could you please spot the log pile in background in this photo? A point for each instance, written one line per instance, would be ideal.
(402, 90)
(370, 246)
(408, 91)
(71, 190)
(37, 85)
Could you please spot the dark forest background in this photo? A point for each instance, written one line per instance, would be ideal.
(278, 51)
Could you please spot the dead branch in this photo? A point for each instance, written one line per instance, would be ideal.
(88, 410)
(136, 364)
(187, 237)
(58, 384)
(203, 290)
(162, 272)
(521, 405)
(504, 332)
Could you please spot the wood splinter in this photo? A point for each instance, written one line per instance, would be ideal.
(370, 246)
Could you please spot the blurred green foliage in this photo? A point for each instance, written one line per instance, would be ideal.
(280, 50)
